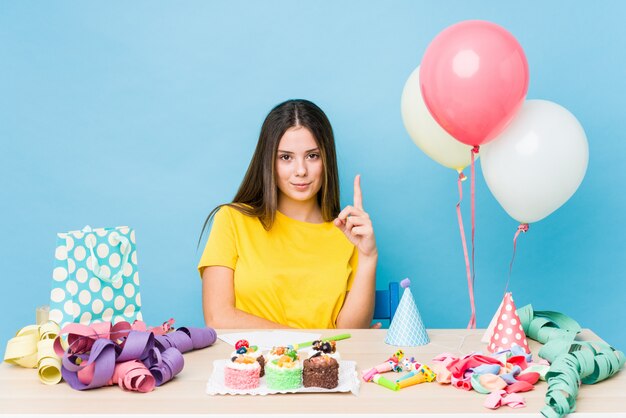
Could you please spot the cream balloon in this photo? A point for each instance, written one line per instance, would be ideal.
(426, 132)
(536, 164)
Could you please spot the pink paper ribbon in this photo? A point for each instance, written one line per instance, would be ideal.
(521, 228)
(470, 284)
(475, 150)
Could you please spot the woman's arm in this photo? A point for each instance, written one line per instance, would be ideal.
(358, 308)
(218, 302)
(355, 223)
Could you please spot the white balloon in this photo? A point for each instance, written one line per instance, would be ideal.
(536, 164)
(426, 132)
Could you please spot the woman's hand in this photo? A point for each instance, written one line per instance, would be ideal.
(355, 223)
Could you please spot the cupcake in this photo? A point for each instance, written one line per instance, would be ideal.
(321, 369)
(242, 372)
(243, 347)
(277, 352)
(285, 371)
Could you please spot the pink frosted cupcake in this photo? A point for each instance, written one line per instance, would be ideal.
(242, 372)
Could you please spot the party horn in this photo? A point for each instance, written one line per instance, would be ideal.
(381, 381)
(406, 376)
(428, 372)
(381, 368)
(414, 380)
(410, 364)
(334, 338)
(390, 364)
(423, 374)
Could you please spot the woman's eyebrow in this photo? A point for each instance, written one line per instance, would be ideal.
(306, 152)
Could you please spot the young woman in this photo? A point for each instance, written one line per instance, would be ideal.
(282, 254)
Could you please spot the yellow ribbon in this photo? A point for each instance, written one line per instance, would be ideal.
(33, 347)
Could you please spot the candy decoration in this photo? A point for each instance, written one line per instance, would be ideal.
(241, 343)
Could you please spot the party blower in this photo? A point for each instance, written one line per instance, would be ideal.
(392, 363)
(423, 374)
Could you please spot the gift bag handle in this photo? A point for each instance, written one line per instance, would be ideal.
(96, 269)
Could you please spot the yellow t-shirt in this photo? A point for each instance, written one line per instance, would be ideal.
(295, 274)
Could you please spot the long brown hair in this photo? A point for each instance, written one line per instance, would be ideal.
(257, 195)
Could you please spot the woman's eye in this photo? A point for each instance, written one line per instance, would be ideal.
(314, 156)
(284, 157)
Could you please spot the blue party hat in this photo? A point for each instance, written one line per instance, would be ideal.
(407, 328)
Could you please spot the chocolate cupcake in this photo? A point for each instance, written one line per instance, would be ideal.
(321, 371)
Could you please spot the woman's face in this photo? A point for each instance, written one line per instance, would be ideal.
(299, 167)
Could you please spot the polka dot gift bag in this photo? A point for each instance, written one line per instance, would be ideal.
(95, 277)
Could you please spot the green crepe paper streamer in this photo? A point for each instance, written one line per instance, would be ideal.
(572, 362)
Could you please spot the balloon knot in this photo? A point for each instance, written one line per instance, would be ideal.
(462, 176)
(523, 228)
(475, 149)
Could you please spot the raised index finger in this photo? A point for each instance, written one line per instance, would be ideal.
(358, 196)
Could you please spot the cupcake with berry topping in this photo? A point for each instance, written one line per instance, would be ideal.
(326, 347)
(283, 370)
(321, 369)
(243, 347)
(242, 372)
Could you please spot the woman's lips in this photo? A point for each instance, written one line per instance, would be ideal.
(301, 186)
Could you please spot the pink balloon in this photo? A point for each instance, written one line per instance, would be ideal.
(474, 78)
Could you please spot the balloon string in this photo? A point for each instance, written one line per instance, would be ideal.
(470, 287)
(473, 200)
(521, 228)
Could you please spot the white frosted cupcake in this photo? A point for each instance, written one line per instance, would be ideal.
(243, 348)
(242, 372)
(277, 352)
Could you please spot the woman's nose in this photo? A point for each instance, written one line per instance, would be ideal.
(301, 168)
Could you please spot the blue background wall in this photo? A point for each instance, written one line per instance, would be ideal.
(147, 113)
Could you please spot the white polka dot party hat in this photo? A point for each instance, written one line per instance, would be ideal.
(508, 329)
(407, 328)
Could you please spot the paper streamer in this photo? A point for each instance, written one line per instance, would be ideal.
(136, 360)
(133, 375)
(32, 347)
(103, 354)
(468, 271)
(572, 362)
(475, 150)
